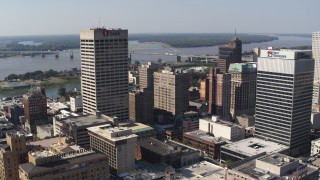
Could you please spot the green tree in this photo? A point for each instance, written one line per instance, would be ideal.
(62, 92)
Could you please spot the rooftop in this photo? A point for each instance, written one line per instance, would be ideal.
(264, 172)
(87, 120)
(32, 169)
(164, 148)
(112, 133)
(136, 127)
(206, 137)
(242, 67)
(221, 122)
(203, 170)
(253, 146)
(46, 143)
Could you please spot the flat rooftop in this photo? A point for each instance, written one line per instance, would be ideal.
(250, 168)
(254, 146)
(278, 159)
(206, 137)
(112, 133)
(222, 122)
(31, 169)
(165, 148)
(46, 143)
(136, 127)
(85, 121)
(203, 170)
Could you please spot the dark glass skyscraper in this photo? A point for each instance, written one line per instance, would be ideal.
(229, 53)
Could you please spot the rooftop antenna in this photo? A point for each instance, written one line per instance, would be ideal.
(235, 32)
(99, 22)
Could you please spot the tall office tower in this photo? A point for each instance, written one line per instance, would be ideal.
(255, 54)
(212, 89)
(223, 89)
(35, 109)
(204, 89)
(229, 53)
(11, 155)
(171, 92)
(146, 75)
(243, 89)
(118, 144)
(141, 106)
(316, 57)
(104, 72)
(283, 101)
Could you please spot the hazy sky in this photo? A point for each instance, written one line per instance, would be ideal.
(35, 17)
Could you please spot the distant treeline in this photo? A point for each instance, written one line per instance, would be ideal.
(198, 40)
(52, 43)
(37, 75)
(63, 42)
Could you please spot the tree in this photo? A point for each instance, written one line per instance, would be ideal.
(137, 62)
(62, 92)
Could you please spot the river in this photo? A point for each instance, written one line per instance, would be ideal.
(20, 64)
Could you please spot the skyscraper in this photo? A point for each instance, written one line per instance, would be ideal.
(223, 89)
(283, 101)
(146, 75)
(35, 108)
(316, 57)
(229, 53)
(141, 106)
(171, 92)
(243, 89)
(104, 71)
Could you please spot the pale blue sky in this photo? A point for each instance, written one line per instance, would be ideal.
(37, 17)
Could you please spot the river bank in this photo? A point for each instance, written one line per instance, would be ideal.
(47, 83)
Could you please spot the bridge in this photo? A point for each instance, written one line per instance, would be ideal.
(169, 51)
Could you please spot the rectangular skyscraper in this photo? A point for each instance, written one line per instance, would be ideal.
(283, 100)
(171, 92)
(104, 71)
(316, 57)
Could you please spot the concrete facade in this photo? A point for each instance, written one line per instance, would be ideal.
(118, 144)
(104, 72)
(171, 92)
(284, 98)
(224, 129)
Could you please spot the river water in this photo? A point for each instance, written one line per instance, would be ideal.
(20, 64)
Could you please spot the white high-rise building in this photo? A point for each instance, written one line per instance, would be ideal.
(104, 72)
(316, 57)
(284, 98)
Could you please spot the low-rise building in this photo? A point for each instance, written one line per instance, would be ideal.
(274, 166)
(224, 129)
(205, 142)
(118, 144)
(77, 126)
(45, 131)
(315, 147)
(169, 152)
(245, 120)
(141, 130)
(81, 164)
(76, 103)
(250, 147)
(203, 170)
